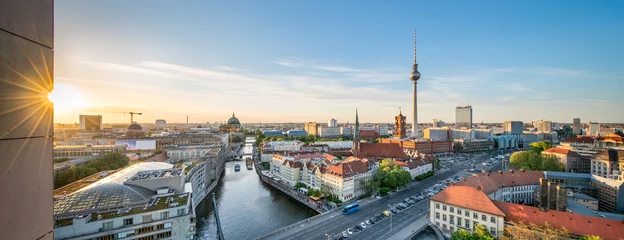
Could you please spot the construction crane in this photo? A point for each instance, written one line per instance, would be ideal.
(131, 114)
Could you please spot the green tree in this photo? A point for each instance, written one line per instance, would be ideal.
(326, 190)
(540, 146)
(390, 175)
(480, 232)
(300, 185)
(531, 160)
(105, 162)
(462, 234)
(339, 156)
(370, 186)
(590, 237)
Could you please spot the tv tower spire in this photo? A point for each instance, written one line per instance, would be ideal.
(415, 76)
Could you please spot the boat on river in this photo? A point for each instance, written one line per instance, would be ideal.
(237, 167)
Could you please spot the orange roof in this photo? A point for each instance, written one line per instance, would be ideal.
(580, 139)
(368, 134)
(384, 150)
(563, 151)
(467, 197)
(491, 182)
(576, 224)
(347, 169)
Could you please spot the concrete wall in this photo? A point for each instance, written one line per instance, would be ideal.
(26, 115)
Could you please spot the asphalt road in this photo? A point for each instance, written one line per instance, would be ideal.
(69, 163)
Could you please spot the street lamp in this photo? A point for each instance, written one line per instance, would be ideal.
(391, 214)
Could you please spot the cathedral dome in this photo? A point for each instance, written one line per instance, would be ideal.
(233, 120)
(135, 127)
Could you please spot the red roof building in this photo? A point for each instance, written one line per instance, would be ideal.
(381, 150)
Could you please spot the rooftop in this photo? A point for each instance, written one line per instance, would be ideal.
(576, 224)
(157, 203)
(563, 151)
(490, 182)
(153, 174)
(77, 185)
(385, 150)
(467, 197)
(576, 207)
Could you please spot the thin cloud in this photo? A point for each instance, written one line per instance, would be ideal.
(516, 87)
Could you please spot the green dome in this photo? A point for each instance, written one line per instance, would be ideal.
(233, 120)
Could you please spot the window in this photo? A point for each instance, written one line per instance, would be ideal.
(181, 211)
(167, 225)
(125, 234)
(444, 207)
(475, 215)
(107, 225)
(127, 221)
(164, 215)
(459, 222)
(444, 226)
(452, 229)
(147, 218)
(437, 215)
(492, 219)
(452, 219)
(459, 212)
(493, 231)
(107, 237)
(145, 230)
(437, 206)
(444, 217)
(163, 235)
(452, 210)
(438, 224)
(483, 217)
(467, 224)
(467, 213)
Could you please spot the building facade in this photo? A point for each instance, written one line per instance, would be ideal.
(463, 117)
(609, 163)
(399, 127)
(513, 127)
(570, 159)
(332, 123)
(78, 151)
(91, 122)
(161, 123)
(544, 126)
(311, 128)
(437, 123)
(593, 128)
(329, 132)
(576, 126)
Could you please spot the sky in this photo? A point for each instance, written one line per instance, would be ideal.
(296, 61)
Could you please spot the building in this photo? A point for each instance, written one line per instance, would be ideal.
(582, 199)
(551, 196)
(473, 145)
(273, 133)
(311, 128)
(77, 151)
(593, 128)
(182, 153)
(422, 146)
(570, 159)
(346, 131)
(161, 123)
(296, 133)
(508, 186)
(576, 126)
(463, 207)
(232, 125)
(461, 134)
(513, 127)
(609, 192)
(437, 134)
(463, 117)
(399, 126)
(417, 166)
(544, 126)
(378, 151)
(142, 201)
(135, 131)
(26, 123)
(483, 133)
(329, 132)
(204, 173)
(609, 163)
(91, 122)
(332, 123)
(437, 123)
(505, 142)
(415, 76)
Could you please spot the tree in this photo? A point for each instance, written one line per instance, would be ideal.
(105, 162)
(480, 233)
(522, 231)
(462, 234)
(326, 190)
(300, 185)
(390, 175)
(370, 186)
(339, 156)
(540, 146)
(531, 160)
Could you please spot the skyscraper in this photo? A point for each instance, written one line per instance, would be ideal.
(544, 126)
(513, 127)
(576, 125)
(414, 76)
(593, 129)
(332, 123)
(463, 116)
(438, 123)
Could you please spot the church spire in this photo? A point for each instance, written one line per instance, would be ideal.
(356, 132)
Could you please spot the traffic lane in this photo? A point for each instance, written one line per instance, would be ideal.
(397, 226)
(397, 220)
(340, 222)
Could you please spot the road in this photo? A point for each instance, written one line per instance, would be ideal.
(69, 163)
(338, 222)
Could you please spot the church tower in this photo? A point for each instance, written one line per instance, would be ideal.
(356, 136)
(399, 126)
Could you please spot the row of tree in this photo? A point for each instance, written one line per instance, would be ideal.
(520, 231)
(387, 177)
(105, 162)
(534, 159)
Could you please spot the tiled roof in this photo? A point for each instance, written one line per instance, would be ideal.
(383, 150)
(467, 197)
(292, 164)
(416, 162)
(490, 182)
(368, 134)
(580, 139)
(611, 137)
(347, 169)
(576, 224)
(563, 151)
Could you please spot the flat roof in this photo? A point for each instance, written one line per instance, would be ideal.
(154, 174)
(578, 208)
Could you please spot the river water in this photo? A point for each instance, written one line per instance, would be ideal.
(248, 208)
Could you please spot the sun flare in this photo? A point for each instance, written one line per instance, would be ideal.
(66, 98)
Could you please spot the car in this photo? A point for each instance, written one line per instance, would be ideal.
(344, 234)
(363, 225)
(386, 213)
(407, 199)
(349, 231)
(367, 222)
(394, 211)
(372, 221)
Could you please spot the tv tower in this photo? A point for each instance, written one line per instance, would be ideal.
(414, 76)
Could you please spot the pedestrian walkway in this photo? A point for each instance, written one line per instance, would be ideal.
(412, 229)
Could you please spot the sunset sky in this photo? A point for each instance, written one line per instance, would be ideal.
(295, 61)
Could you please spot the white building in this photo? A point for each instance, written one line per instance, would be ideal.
(593, 128)
(437, 134)
(329, 132)
(417, 166)
(78, 151)
(544, 126)
(142, 201)
(182, 153)
(346, 131)
(294, 145)
(332, 123)
(337, 144)
(161, 123)
(461, 134)
(463, 207)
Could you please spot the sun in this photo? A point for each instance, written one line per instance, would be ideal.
(66, 98)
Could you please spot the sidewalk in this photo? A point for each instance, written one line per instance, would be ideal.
(411, 229)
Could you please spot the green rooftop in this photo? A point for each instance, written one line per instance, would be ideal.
(161, 203)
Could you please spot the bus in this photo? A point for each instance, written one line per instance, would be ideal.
(351, 208)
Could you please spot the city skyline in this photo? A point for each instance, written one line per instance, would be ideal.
(314, 63)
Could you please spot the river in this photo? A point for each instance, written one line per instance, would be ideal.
(248, 208)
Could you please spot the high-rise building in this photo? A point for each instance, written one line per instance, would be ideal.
(91, 122)
(332, 123)
(463, 116)
(576, 126)
(399, 126)
(414, 76)
(437, 123)
(26, 128)
(161, 123)
(544, 126)
(594, 128)
(311, 128)
(513, 127)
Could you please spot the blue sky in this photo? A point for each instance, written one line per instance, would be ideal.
(283, 61)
